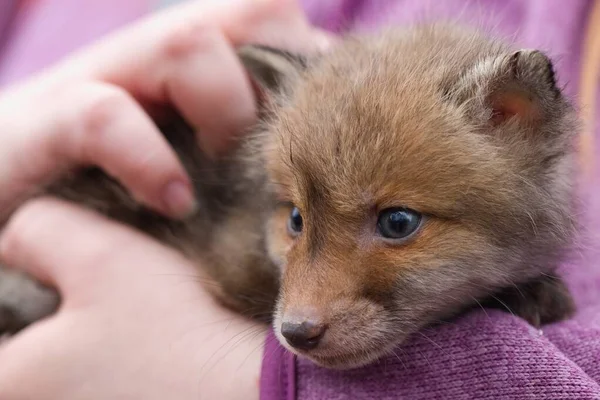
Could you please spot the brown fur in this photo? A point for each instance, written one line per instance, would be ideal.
(466, 130)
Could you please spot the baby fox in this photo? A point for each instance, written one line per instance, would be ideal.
(392, 182)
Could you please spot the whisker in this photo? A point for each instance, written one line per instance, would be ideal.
(481, 306)
(393, 351)
(503, 304)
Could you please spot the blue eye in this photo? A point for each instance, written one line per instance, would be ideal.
(398, 223)
(295, 222)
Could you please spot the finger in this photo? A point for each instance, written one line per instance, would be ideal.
(203, 79)
(100, 125)
(32, 242)
(279, 23)
(184, 57)
(63, 244)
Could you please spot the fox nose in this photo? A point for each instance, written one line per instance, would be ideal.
(304, 335)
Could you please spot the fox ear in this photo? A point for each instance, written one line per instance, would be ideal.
(273, 70)
(518, 86)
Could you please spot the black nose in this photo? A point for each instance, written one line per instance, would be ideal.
(304, 336)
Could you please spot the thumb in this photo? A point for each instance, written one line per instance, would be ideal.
(67, 246)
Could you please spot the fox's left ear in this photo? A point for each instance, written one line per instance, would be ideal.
(518, 86)
(275, 71)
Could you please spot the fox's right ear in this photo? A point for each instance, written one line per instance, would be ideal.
(275, 71)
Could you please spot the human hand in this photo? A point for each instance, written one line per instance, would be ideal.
(133, 323)
(97, 107)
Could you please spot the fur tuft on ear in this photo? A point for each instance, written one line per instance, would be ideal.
(273, 70)
(518, 86)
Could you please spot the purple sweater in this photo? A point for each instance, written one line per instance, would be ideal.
(483, 355)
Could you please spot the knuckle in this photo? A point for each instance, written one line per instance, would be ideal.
(190, 38)
(100, 109)
(22, 228)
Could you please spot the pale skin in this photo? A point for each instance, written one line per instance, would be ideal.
(134, 323)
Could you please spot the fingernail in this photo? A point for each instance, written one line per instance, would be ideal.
(179, 199)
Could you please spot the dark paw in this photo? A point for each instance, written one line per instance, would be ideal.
(541, 301)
